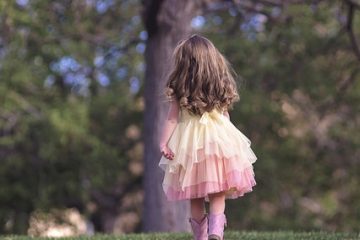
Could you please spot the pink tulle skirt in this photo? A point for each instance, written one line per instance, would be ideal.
(210, 155)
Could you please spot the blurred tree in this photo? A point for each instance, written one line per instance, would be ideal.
(301, 86)
(71, 108)
(166, 23)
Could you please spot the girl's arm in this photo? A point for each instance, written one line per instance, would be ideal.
(170, 123)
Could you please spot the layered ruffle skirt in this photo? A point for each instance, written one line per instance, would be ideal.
(210, 155)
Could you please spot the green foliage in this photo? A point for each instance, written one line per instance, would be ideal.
(71, 114)
(62, 127)
(300, 116)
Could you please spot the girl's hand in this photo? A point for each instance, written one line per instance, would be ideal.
(166, 151)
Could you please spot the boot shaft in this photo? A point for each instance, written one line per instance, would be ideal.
(200, 229)
(217, 223)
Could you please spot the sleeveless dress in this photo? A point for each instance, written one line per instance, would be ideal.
(210, 155)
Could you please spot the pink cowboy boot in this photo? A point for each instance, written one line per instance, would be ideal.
(200, 230)
(217, 222)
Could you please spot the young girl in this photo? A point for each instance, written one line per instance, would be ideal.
(204, 156)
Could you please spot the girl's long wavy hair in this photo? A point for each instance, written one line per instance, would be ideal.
(201, 79)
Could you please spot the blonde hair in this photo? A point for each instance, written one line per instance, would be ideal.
(201, 79)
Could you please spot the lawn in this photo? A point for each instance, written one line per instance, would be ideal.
(229, 235)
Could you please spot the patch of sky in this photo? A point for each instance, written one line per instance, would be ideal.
(22, 3)
(74, 74)
(247, 29)
(198, 22)
(112, 63)
(49, 81)
(259, 21)
(255, 24)
(103, 5)
(74, 78)
(121, 72)
(140, 48)
(102, 79)
(79, 83)
(143, 35)
(115, 53)
(134, 84)
(65, 64)
(81, 89)
(99, 61)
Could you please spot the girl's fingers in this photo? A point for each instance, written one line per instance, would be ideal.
(168, 154)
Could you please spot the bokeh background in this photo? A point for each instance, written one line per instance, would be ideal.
(74, 121)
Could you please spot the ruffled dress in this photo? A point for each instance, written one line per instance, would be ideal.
(210, 155)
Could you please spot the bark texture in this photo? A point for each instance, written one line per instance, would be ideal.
(167, 22)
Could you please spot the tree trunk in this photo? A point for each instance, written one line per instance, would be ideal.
(166, 22)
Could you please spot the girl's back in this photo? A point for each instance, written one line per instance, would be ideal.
(205, 157)
(203, 152)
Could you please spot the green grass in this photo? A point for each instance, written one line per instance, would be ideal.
(229, 235)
